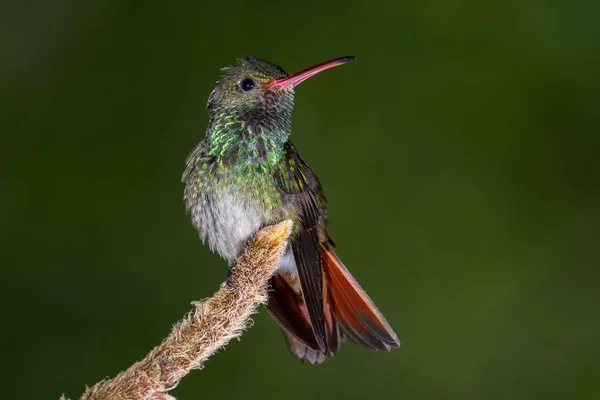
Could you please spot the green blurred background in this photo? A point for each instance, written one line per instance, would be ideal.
(459, 154)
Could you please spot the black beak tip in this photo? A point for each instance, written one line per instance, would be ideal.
(348, 59)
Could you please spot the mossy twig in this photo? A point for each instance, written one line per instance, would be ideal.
(207, 328)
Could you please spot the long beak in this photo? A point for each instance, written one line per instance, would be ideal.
(297, 78)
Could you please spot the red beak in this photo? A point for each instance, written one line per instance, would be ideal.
(297, 78)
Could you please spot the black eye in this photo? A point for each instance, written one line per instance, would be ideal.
(247, 84)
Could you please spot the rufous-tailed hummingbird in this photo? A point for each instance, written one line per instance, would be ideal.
(245, 175)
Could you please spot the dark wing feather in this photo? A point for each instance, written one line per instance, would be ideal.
(302, 188)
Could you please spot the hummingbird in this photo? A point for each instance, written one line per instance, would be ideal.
(246, 174)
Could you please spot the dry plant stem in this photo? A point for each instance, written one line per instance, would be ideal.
(203, 331)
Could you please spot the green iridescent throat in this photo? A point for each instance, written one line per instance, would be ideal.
(246, 149)
(245, 160)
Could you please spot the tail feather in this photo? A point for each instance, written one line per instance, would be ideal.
(347, 310)
(302, 351)
(357, 315)
(333, 334)
(286, 306)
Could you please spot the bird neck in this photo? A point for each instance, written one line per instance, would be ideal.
(248, 143)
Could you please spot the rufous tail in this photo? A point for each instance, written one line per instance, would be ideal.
(348, 311)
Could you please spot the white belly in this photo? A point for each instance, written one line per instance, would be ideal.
(228, 222)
